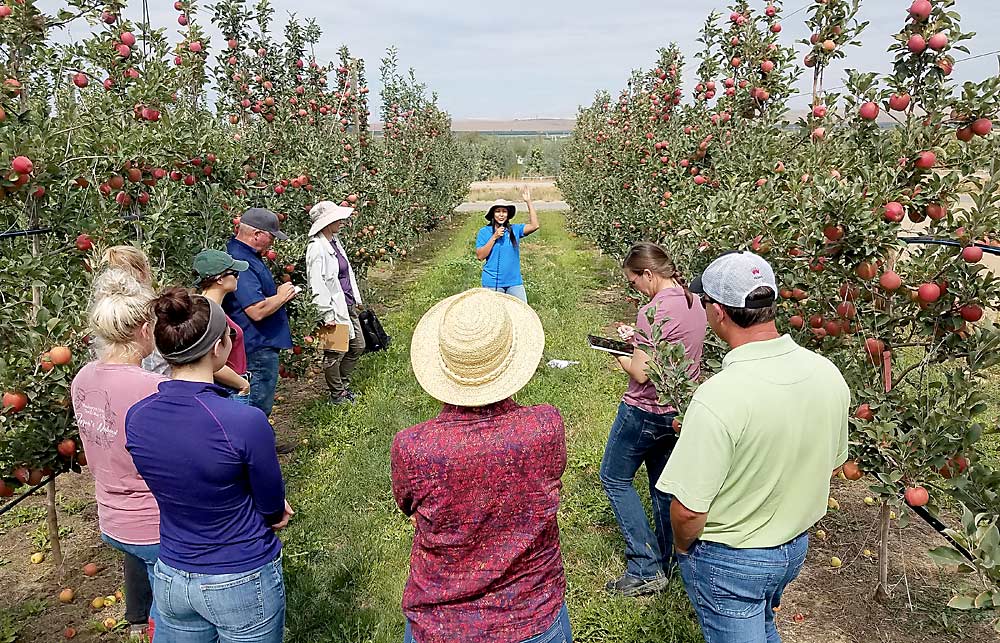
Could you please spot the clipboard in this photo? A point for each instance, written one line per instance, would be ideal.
(334, 337)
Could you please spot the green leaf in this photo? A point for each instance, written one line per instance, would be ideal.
(961, 603)
(946, 556)
(984, 600)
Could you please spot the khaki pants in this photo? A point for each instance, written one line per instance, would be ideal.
(337, 366)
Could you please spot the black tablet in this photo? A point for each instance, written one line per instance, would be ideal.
(613, 346)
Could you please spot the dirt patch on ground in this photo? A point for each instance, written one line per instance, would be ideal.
(827, 605)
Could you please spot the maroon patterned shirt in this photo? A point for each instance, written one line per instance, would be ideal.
(484, 486)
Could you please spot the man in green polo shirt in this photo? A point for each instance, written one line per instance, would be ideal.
(751, 471)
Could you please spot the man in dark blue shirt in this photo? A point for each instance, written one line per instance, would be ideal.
(258, 305)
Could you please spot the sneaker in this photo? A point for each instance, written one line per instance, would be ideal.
(632, 586)
(343, 398)
(284, 448)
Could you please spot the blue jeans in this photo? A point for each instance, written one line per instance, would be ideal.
(242, 399)
(263, 363)
(558, 632)
(148, 555)
(735, 591)
(513, 291)
(248, 607)
(639, 437)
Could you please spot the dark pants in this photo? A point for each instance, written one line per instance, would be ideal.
(139, 561)
(638, 437)
(735, 591)
(337, 366)
(263, 363)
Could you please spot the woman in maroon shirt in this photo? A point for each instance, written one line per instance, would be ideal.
(217, 274)
(481, 481)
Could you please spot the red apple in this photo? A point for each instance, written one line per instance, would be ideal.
(127, 38)
(890, 281)
(899, 102)
(916, 496)
(925, 160)
(869, 111)
(929, 293)
(14, 401)
(271, 255)
(67, 448)
(916, 44)
(938, 41)
(971, 312)
(123, 50)
(866, 270)
(894, 211)
(874, 348)
(83, 242)
(22, 165)
(935, 211)
(796, 321)
(982, 126)
(864, 412)
(972, 254)
(920, 10)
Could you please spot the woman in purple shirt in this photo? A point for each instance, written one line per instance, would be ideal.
(336, 295)
(211, 465)
(643, 429)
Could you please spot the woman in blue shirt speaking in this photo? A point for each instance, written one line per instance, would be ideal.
(211, 465)
(498, 245)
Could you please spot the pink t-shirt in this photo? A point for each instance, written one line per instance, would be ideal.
(238, 356)
(686, 325)
(102, 395)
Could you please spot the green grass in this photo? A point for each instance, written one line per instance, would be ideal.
(347, 551)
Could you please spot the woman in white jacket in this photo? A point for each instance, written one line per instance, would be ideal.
(336, 295)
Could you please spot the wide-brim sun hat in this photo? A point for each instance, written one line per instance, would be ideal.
(326, 212)
(476, 348)
(500, 203)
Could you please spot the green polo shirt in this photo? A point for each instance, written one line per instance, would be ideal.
(759, 442)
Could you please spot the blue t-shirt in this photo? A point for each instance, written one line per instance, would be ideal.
(502, 269)
(255, 285)
(211, 465)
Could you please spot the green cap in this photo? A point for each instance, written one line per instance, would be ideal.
(212, 263)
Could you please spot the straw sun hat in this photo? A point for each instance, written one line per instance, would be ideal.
(326, 212)
(476, 348)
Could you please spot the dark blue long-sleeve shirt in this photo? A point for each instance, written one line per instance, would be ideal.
(211, 465)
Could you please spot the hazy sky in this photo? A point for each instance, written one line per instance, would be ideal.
(545, 58)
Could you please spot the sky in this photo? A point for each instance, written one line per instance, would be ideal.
(544, 58)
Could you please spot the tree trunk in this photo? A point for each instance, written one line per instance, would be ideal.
(52, 520)
(882, 589)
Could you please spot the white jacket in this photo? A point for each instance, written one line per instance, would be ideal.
(323, 272)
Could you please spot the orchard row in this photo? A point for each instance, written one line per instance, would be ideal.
(828, 200)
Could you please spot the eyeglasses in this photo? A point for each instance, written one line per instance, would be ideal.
(229, 273)
(631, 282)
(232, 333)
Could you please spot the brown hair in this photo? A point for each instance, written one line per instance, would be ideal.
(747, 317)
(180, 319)
(649, 256)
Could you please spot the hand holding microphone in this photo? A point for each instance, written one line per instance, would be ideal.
(499, 232)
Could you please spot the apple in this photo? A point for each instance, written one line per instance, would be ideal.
(899, 102)
(796, 321)
(920, 10)
(14, 401)
(5, 11)
(894, 211)
(182, 20)
(852, 471)
(833, 232)
(836, 562)
(982, 126)
(819, 111)
(190, 180)
(935, 211)
(874, 348)
(916, 496)
(776, 27)
(869, 111)
(938, 41)
(864, 412)
(67, 595)
(67, 448)
(90, 569)
(80, 79)
(847, 310)
(22, 165)
(195, 46)
(271, 255)
(819, 133)
(123, 50)
(925, 160)
(956, 465)
(829, 46)
(60, 355)
(971, 312)
(69, 632)
(929, 293)
(865, 270)
(916, 44)
(767, 66)
(972, 254)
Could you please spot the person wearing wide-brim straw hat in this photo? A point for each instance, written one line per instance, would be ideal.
(484, 477)
(337, 296)
(498, 247)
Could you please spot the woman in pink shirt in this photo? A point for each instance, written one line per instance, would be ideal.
(217, 274)
(643, 429)
(103, 391)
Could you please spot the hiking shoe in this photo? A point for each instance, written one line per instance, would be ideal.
(632, 586)
(343, 398)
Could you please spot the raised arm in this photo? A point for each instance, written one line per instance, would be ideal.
(532, 224)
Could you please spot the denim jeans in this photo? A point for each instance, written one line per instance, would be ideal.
(558, 632)
(248, 607)
(138, 590)
(735, 591)
(514, 291)
(639, 437)
(263, 363)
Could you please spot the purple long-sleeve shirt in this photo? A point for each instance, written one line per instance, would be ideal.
(211, 465)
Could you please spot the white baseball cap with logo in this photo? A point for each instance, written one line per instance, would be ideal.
(731, 278)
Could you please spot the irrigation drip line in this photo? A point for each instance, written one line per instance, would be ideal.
(993, 250)
(24, 233)
(934, 522)
(15, 502)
